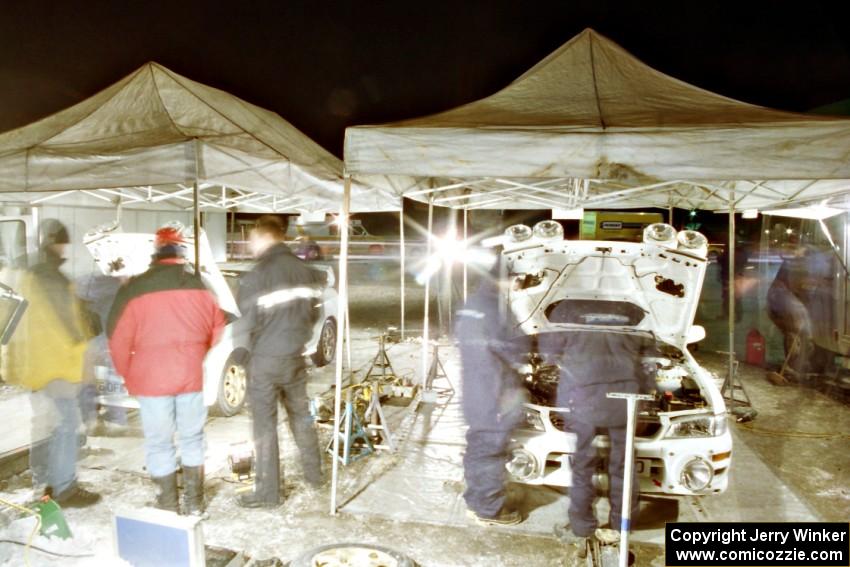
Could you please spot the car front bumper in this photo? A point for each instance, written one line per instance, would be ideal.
(663, 465)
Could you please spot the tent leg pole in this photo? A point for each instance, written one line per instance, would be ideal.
(731, 293)
(197, 226)
(348, 337)
(465, 237)
(401, 256)
(342, 311)
(670, 216)
(426, 318)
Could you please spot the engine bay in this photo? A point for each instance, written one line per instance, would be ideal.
(676, 388)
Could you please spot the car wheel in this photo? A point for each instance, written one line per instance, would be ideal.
(232, 388)
(341, 554)
(326, 349)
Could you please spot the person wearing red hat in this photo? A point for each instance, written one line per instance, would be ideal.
(160, 328)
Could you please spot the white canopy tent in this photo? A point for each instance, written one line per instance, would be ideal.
(591, 126)
(154, 135)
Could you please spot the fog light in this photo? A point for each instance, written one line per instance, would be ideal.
(523, 465)
(549, 230)
(534, 420)
(660, 233)
(697, 474)
(693, 242)
(518, 233)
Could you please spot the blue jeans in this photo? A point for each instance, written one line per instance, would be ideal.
(162, 416)
(55, 425)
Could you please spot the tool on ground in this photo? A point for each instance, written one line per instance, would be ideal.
(625, 516)
(601, 552)
(241, 460)
(53, 522)
(780, 378)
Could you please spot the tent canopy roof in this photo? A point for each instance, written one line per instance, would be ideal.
(590, 120)
(157, 129)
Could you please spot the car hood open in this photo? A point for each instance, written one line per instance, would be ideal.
(129, 253)
(605, 286)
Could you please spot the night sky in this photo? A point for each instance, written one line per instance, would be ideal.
(324, 66)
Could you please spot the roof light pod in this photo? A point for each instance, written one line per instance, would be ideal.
(693, 242)
(518, 233)
(549, 230)
(661, 234)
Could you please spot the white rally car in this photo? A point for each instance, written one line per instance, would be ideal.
(225, 367)
(683, 445)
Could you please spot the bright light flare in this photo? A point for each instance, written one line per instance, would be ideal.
(450, 250)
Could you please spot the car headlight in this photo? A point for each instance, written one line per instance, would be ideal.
(697, 474)
(518, 233)
(698, 426)
(549, 230)
(534, 420)
(693, 241)
(660, 233)
(522, 465)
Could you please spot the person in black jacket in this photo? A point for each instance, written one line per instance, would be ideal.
(279, 299)
(492, 397)
(594, 364)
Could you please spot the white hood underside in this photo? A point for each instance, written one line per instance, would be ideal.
(664, 283)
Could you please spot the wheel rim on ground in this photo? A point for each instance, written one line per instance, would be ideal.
(235, 383)
(353, 555)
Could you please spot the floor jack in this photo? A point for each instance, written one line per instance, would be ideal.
(602, 551)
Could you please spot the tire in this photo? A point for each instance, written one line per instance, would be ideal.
(326, 349)
(353, 554)
(232, 388)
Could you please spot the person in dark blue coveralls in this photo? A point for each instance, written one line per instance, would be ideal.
(593, 364)
(492, 401)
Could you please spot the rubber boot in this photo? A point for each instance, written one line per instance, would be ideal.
(193, 491)
(166, 497)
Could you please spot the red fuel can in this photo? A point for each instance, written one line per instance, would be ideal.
(755, 348)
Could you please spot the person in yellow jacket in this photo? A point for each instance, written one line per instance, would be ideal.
(47, 358)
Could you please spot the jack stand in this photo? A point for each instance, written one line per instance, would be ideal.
(376, 422)
(353, 431)
(732, 383)
(382, 361)
(438, 372)
(625, 514)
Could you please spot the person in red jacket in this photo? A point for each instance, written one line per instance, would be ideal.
(160, 328)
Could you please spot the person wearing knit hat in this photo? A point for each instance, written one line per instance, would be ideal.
(47, 358)
(169, 243)
(160, 328)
